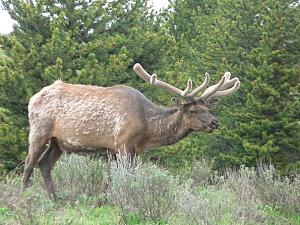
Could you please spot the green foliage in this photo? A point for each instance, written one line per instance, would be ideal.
(13, 140)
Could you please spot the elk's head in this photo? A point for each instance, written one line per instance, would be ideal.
(196, 115)
(195, 111)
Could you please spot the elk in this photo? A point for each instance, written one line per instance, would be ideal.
(85, 119)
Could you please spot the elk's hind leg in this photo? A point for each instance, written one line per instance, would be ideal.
(47, 162)
(36, 148)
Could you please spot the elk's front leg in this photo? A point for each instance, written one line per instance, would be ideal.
(127, 151)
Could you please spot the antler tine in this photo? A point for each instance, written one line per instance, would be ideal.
(228, 83)
(228, 91)
(213, 89)
(221, 89)
(201, 87)
(188, 88)
(153, 80)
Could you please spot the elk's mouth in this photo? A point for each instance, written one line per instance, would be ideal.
(205, 127)
(209, 129)
(202, 128)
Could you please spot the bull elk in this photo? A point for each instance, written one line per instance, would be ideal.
(120, 119)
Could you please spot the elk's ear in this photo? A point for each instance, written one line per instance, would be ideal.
(212, 103)
(177, 103)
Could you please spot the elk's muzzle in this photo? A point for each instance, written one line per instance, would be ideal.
(215, 124)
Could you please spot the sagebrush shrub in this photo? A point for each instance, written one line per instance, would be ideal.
(78, 176)
(241, 183)
(216, 205)
(23, 206)
(283, 193)
(142, 188)
(202, 172)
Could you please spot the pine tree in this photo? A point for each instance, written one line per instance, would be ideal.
(259, 42)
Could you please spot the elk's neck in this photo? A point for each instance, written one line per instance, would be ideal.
(165, 127)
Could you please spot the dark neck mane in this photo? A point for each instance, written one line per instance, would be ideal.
(165, 126)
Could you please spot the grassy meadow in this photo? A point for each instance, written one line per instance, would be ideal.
(145, 193)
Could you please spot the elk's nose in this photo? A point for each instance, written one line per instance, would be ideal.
(215, 124)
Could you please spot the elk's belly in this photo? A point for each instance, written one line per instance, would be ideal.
(71, 145)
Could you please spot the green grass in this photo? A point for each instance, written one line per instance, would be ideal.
(295, 219)
(65, 215)
(86, 215)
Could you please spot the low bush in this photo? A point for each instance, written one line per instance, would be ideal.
(282, 193)
(75, 177)
(202, 172)
(218, 205)
(142, 188)
(77, 182)
(22, 208)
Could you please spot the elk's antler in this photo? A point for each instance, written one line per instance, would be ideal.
(153, 80)
(226, 86)
(223, 88)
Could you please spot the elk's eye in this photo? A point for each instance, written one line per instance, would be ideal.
(193, 111)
